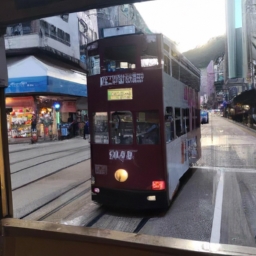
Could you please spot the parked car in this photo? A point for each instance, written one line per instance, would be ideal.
(204, 117)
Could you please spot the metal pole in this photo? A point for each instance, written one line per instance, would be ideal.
(5, 174)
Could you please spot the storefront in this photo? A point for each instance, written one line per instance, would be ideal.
(19, 116)
(55, 95)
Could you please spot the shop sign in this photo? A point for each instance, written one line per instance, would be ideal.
(19, 102)
(68, 106)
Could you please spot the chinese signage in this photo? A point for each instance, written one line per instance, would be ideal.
(120, 94)
(133, 78)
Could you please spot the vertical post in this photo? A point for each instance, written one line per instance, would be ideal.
(6, 209)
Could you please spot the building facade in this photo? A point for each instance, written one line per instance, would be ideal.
(47, 65)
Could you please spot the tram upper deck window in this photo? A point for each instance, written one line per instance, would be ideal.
(100, 128)
(147, 127)
(121, 127)
(93, 59)
(149, 54)
(119, 58)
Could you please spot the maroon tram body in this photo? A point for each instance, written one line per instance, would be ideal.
(145, 127)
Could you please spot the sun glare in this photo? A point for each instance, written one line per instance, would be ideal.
(190, 23)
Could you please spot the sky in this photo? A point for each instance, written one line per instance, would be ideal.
(190, 23)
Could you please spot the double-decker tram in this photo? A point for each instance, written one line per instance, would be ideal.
(144, 119)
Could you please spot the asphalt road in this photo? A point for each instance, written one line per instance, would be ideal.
(216, 201)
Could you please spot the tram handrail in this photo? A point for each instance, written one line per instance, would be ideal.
(22, 237)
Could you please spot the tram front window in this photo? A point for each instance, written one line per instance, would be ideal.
(119, 58)
(121, 127)
(100, 128)
(147, 127)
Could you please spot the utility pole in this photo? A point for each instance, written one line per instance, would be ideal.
(6, 209)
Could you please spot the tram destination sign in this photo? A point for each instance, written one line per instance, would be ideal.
(120, 94)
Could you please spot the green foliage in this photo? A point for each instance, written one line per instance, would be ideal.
(201, 57)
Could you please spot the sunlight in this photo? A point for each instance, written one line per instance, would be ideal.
(189, 23)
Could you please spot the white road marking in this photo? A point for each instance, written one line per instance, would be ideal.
(216, 224)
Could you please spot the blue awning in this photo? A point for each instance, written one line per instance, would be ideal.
(31, 75)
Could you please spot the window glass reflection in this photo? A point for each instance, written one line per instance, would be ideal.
(121, 127)
(147, 127)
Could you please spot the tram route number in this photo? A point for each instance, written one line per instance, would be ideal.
(121, 155)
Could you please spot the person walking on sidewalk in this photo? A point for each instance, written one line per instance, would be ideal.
(33, 129)
(86, 129)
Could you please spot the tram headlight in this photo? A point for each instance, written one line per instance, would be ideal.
(121, 175)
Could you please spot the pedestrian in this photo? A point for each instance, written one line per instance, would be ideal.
(33, 129)
(86, 129)
(33, 123)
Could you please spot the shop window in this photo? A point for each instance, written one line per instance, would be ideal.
(147, 127)
(23, 28)
(100, 128)
(121, 124)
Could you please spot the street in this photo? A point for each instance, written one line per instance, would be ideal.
(43, 172)
(216, 201)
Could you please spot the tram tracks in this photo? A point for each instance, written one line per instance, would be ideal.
(50, 174)
(131, 223)
(38, 170)
(50, 160)
(59, 206)
(49, 153)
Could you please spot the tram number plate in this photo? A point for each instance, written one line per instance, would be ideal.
(101, 169)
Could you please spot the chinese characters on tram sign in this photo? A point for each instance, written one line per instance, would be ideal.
(120, 94)
(122, 79)
(121, 155)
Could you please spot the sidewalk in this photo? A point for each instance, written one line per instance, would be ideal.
(241, 124)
